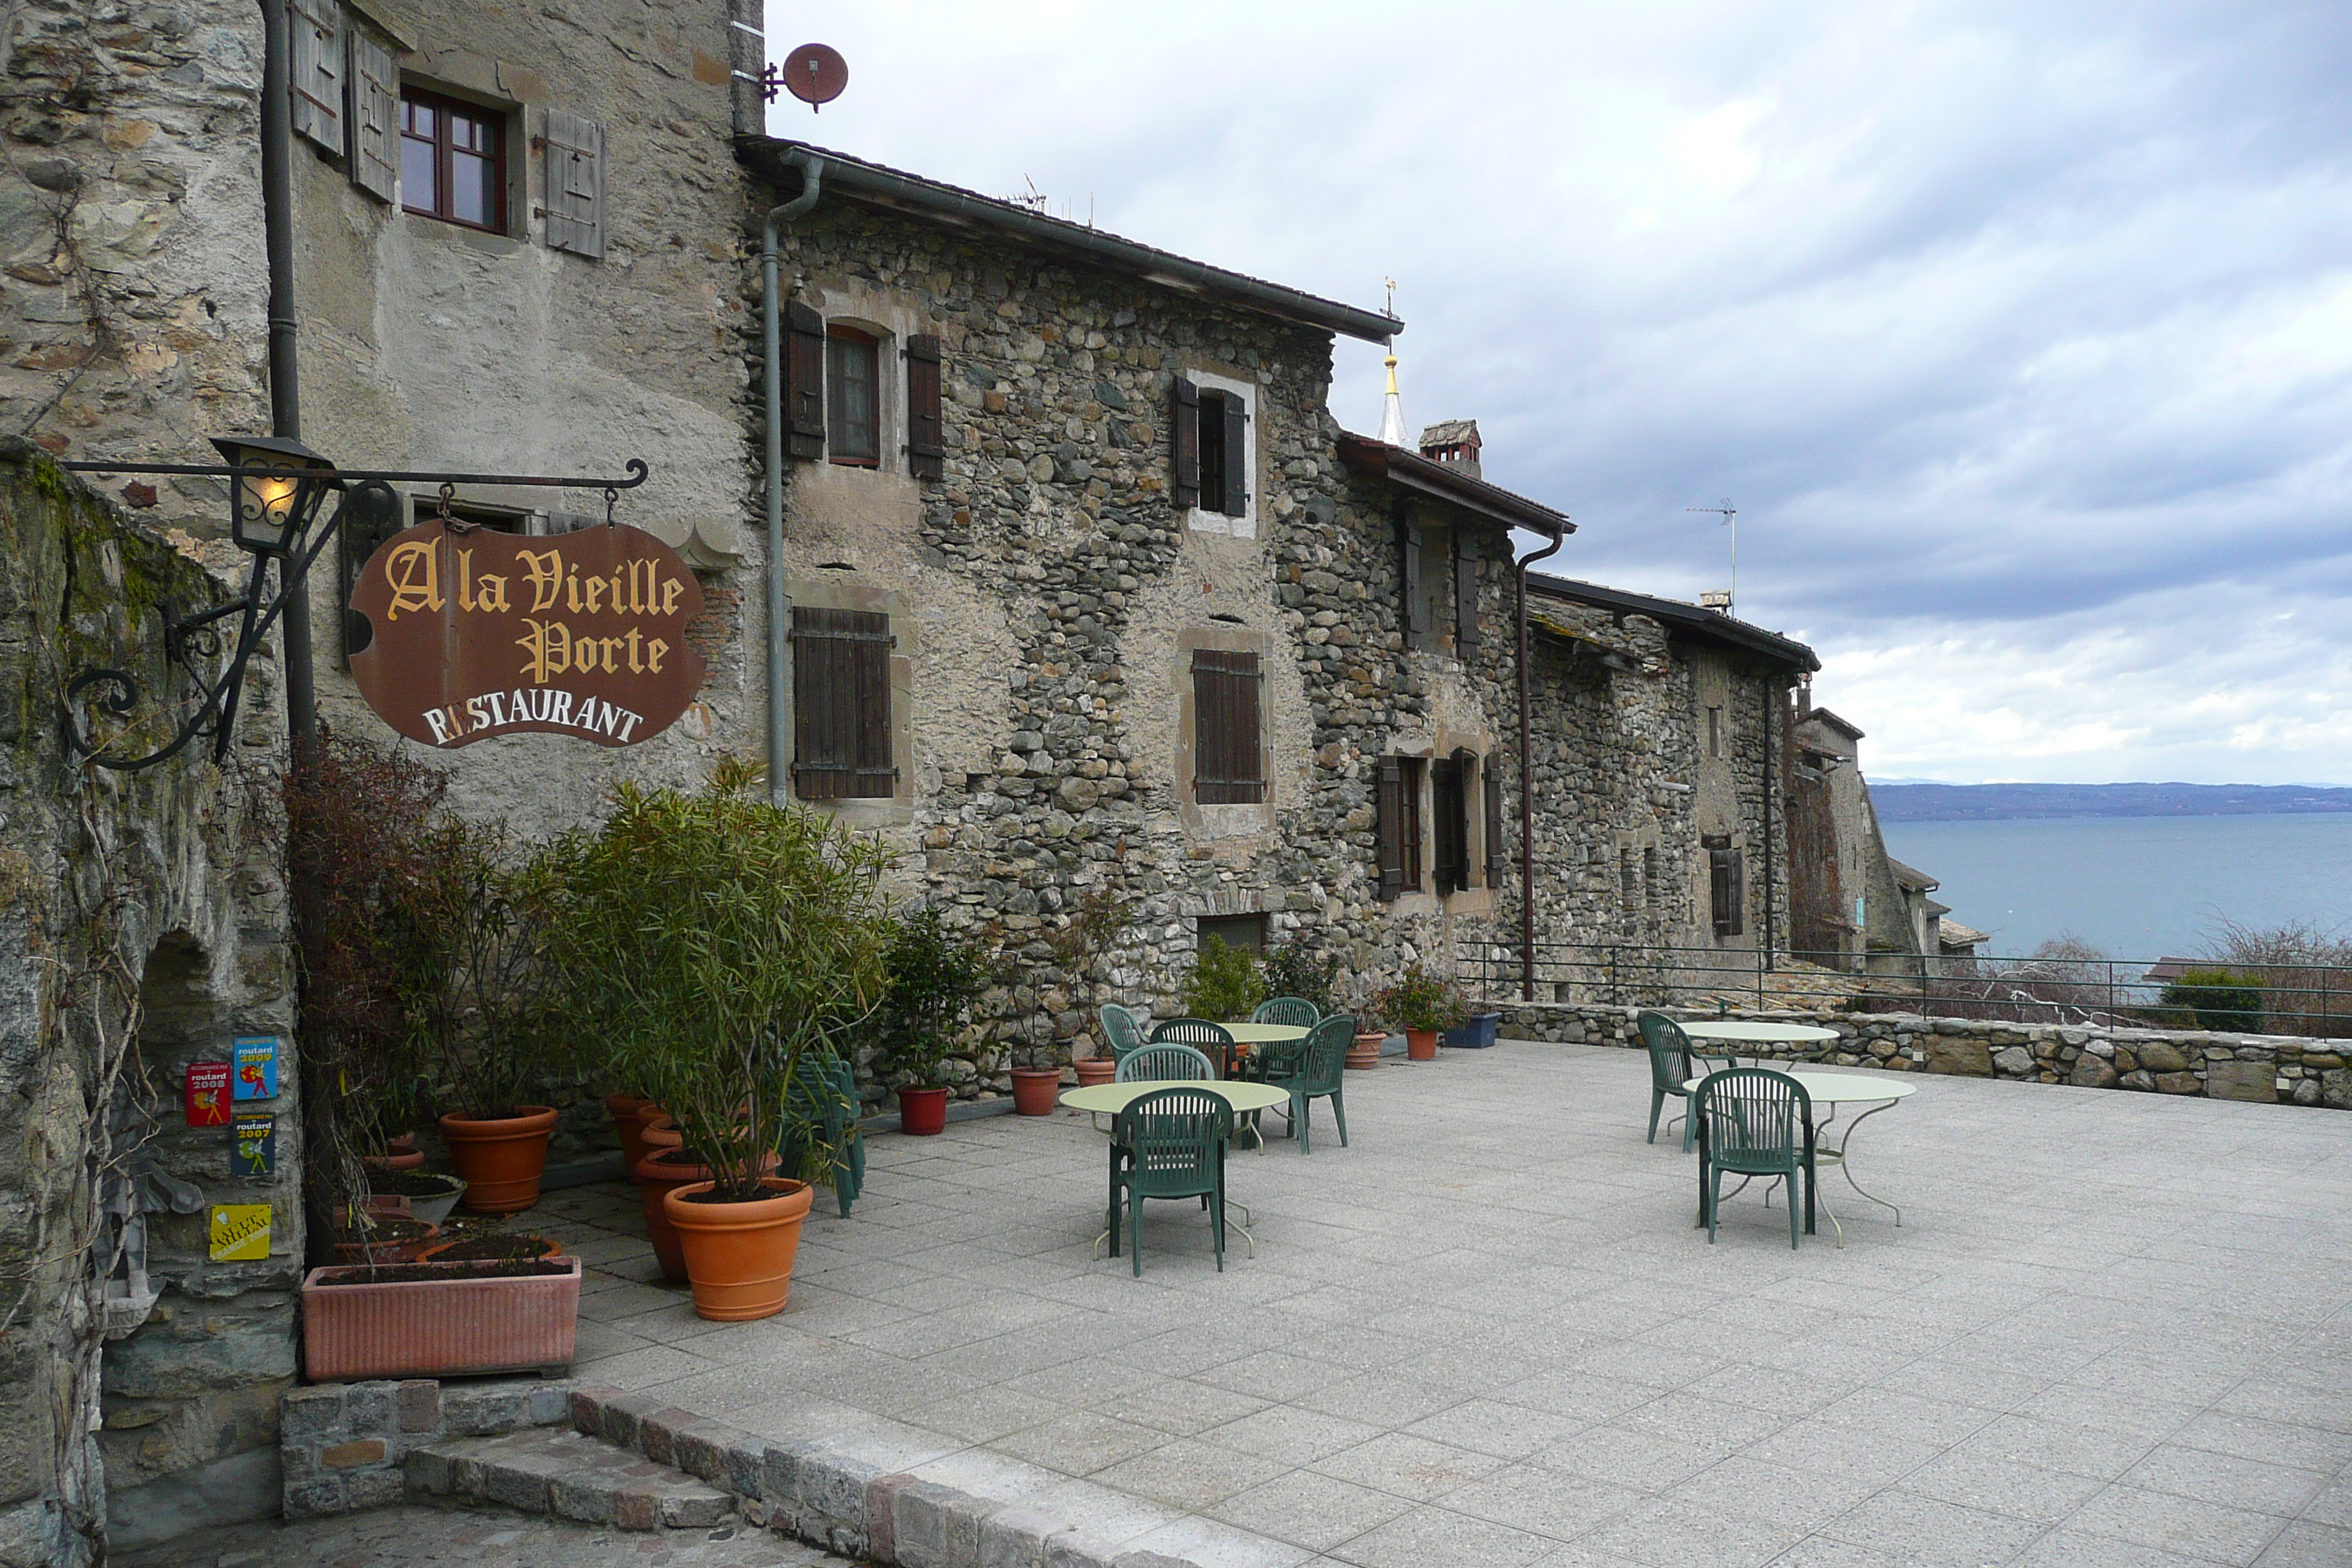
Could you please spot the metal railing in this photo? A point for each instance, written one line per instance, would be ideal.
(2306, 999)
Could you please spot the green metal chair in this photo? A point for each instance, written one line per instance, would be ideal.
(1296, 1011)
(1165, 1063)
(1753, 1121)
(1170, 1144)
(823, 1097)
(1211, 1040)
(1671, 1067)
(1316, 1070)
(1121, 1031)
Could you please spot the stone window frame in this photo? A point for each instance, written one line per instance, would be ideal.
(889, 396)
(844, 593)
(1202, 520)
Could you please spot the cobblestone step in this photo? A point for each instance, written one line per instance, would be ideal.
(549, 1470)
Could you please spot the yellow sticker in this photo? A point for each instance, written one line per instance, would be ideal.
(241, 1233)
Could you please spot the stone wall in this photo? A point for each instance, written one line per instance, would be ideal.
(345, 1444)
(2270, 1068)
(144, 921)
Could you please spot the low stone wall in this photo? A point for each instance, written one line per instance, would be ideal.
(342, 1444)
(2269, 1068)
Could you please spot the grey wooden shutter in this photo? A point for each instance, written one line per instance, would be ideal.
(1389, 804)
(1228, 752)
(1739, 891)
(1465, 775)
(575, 185)
(1495, 858)
(841, 705)
(1726, 883)
(927, 449)
(804, 380)
(1185, 429)
(1417, 613)
(1466, 592)
(315, 82)
(1445, 800)
(375, 113)
(1237, 474)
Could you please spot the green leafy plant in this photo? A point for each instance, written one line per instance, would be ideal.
(935, 977)
(1224, 983)
(1292, 971)
(711, 939)
(2220, 999)
(1420, 1000)
(474, 989)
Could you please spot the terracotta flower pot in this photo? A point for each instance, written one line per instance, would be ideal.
(500, 1158)
(922, 1112)
(1093, 1071)
(739, 1255)
(414, 1159)
(461, 1320)
(659, 1174)
(1421, 1044)
(402, 1239)
(488, 1248)
(1035, 1089)
(655, 1133)
(627, 1112)
(1366, 1050)
(401, 1143)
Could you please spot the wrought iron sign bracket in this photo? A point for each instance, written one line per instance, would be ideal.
(193, 642)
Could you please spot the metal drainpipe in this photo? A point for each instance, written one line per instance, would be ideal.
(1772, 720)
(772, 387)
(285, 388)
(1527, 786)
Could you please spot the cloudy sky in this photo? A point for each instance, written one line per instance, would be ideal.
(2021, 334)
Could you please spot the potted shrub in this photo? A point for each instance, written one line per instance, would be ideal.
(712, 938)
(1035, 1088)
(1421, 1005)
(1224, 984)
(935, 977)
(1292, 971)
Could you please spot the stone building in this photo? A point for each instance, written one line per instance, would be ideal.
(1856, 907)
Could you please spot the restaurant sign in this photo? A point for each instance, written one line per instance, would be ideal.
(478, 633)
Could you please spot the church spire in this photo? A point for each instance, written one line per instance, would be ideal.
(1392, 409)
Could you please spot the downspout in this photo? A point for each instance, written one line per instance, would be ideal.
(1526, 784)
(1773, 708)
(772, 387)
(285, 389)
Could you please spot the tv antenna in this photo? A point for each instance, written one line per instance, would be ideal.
(1730, 515)
(813, 73)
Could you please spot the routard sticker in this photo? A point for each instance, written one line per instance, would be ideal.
(474, 634)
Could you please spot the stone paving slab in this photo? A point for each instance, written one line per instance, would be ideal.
(2113, 1328)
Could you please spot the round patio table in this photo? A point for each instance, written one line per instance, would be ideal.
(1739, 1030)
(1253, 1035)
(1833, 1090)
(1110, 1099)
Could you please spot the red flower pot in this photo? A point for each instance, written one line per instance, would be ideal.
(1035, 1089)
(1421, 1044)
(1366, 1051)
(1093, 1071)
(739, 1255)
(500, 1158)
(923, 1111)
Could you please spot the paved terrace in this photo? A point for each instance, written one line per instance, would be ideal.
(2113, 1328)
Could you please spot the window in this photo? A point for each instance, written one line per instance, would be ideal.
(1727, 880)
(1451, 788)
(452, 160)
(1234, 931)
(1399, 810)
(1713, 730)
(1627, 886)
(841, 705)
(1495, 861)
(1228, 765)
(1650, 888)
(852, 402)
(1211, 435)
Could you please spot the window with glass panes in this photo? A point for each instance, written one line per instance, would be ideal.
(452, 160)
(853, 397)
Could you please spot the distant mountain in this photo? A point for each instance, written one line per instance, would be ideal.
(1970, 803)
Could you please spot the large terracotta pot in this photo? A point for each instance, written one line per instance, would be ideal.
(396, 1158)
(500, 1158)
(739, 1255)
(1421, 1044)
(407, 1238)
(655, 1133)
(461, 1319)
(1035, 1089)
(1093, 1071)
(627, 1112)
(659, 1174)
(923, 1111)
(1365, 1051)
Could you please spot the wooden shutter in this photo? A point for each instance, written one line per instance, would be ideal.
(1726, 884)
(1416, 615)
(1445, 800)
(1237, 474)
(1390, 807)
(927, 451)
(1466, 592)
(315, 82)
(1185, 426)
(804, 380)
(373, 515)
(1465, 796)
(1227, 746)
(841, 705)
(575, 185)
(374, 108)
(1495, 858)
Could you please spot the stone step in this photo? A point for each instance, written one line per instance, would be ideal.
(549, 1470)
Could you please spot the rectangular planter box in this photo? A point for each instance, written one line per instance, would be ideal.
(1478, 1033)
(465, 1323)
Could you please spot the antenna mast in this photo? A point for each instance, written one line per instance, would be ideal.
(1730, 515)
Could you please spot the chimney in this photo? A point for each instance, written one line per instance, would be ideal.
(1454, 443)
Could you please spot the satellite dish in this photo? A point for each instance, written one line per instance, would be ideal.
(816, 74)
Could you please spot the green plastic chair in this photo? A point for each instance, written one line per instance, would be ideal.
(1753, 1121)
(1170, 1144)
(1122, 1032)
(1671, 1067)
(1296, 1011)
(825, 1092)
(1165, 1063)
(1211, 1040)
(1316, 1070)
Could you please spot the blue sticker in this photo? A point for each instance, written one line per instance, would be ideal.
(256, 1069)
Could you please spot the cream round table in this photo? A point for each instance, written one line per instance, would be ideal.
(1740, 1031)
(1110, 1099)
(1834, 1090)
(1263, 1033)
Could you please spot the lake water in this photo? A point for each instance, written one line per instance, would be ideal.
(2135, 886)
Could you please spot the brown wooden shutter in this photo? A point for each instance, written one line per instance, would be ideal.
(1726, 883)
(1466, 592)
(841, 705)
(805, 380)
(927, 452)
(575, 185)
(315, 81)
(374, 108)
(1185, 427)
(1495, 858)
(1416, 615)
(1228, 748)
(1389, 804)
(1237, 474)
(1466, 795)
(1739, 891)
(1445, 801)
